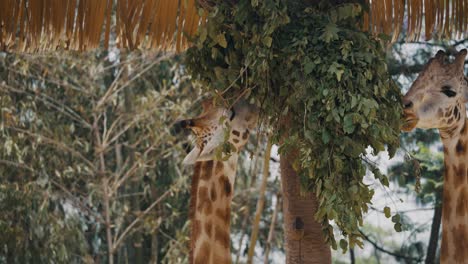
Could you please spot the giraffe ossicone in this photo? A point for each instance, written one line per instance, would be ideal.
(213, 180)
(437, 99)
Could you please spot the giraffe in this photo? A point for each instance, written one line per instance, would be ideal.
(437, 100)
(213, 180)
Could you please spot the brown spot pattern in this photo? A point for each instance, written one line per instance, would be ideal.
(235, 140)
(464, 129)
(444, 247)
(204, 203)
(446, 151)
(209, 228)
(203, 254)
(223, 214)
(460, 243)
(462, 203)
(246, 134)
(224, 182)
(222, 236)
(448, 112)
(236, 133)
(459, 176)
(219, 168)
(213, 192)
(193, 203)
(447, 173)
(447, 207)
(196, 226)
(217, 258)
(440, 113)
(461, 148)
(206, 170)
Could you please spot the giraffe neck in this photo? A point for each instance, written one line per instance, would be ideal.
(455, 197)
(210, 210)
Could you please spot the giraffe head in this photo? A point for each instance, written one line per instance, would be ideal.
(437, 98)
(211, 126)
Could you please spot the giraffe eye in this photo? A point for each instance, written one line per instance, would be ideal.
(447, 90)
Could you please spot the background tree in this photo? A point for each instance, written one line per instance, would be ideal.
(102, 162)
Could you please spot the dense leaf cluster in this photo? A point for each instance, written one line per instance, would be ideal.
(319, 80)
(34, 228)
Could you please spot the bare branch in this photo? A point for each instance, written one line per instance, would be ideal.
(120, 239)
(379, 248)
(15, 164)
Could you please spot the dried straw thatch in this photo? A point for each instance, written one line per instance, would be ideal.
(33, 25)
(437, 18)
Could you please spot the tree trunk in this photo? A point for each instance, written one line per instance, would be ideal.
(304, 240)
(136, 240)
(434, 238)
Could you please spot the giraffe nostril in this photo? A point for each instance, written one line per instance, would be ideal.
(408, 105)
(186, 123)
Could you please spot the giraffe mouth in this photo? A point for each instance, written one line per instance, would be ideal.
(409, 124)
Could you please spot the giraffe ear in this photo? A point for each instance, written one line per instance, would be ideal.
(440, 56)
(460, 59)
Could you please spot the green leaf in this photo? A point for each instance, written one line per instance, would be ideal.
(344, 245)
(221, 40)
(353, 189)
(330, 33)
(309, 67)
(267, 41)
(396, 218)
(202, 35)
(387, 212)
(397, 227)
(337, 69)
(348, 126)
(325, 136)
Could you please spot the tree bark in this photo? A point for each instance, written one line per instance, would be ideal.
(434, 238)
(304, 240)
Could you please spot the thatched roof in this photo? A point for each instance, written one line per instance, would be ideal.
(33, 25)
(428, 18)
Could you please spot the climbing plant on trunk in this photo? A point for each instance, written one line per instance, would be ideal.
(314, 64)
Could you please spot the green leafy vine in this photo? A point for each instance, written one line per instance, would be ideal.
(313, 66)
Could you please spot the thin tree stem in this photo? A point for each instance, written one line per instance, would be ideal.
(120, 239)
(260, 202)
(272, 228)
(435, 228)
(105, 185)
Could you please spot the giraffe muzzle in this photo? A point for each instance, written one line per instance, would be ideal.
(410, 120)
(185, 123)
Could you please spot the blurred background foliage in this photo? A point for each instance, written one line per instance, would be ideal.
(90, 162)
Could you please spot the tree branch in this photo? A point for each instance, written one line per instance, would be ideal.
(397, 255)
(120, 239)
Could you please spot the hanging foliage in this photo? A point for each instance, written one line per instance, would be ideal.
(311, 66)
